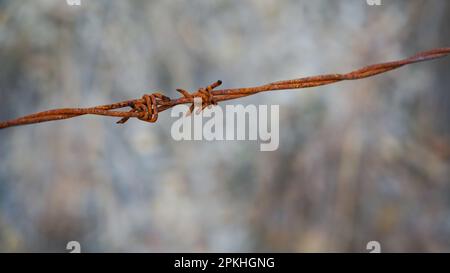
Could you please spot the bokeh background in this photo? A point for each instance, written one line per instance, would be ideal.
(358, 161)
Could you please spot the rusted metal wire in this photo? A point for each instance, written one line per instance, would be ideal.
(149, 106)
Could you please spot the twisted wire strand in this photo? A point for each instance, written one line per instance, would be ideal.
(149, 106)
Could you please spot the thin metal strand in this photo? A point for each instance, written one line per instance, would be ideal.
(149, 106)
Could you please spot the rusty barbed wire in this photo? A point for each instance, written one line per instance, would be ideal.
(149, 106)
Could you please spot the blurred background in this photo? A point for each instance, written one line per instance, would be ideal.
(358, 161)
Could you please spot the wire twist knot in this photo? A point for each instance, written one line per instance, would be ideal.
(205, 94)
(147, 107)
